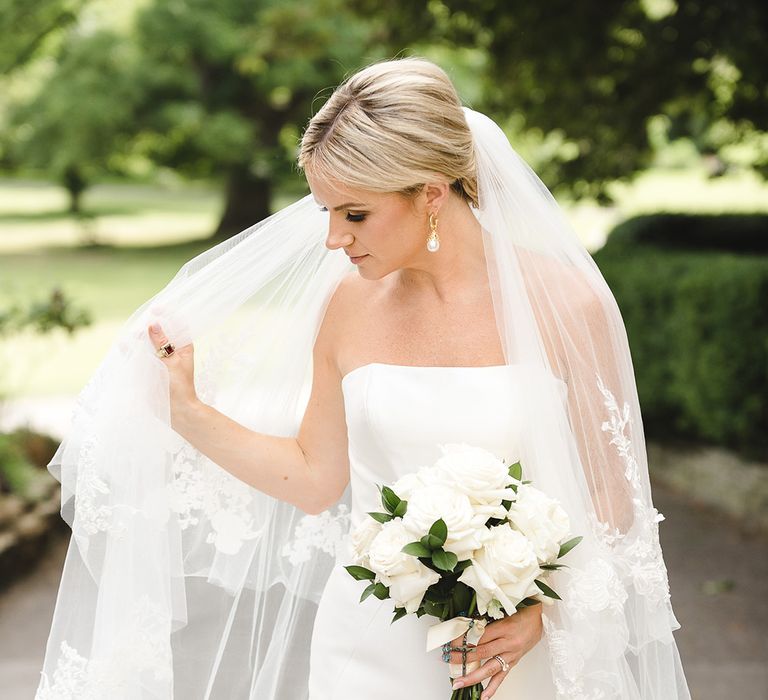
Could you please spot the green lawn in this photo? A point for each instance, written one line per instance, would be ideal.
(153, 230)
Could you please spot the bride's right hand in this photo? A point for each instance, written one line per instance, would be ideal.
(181, 372)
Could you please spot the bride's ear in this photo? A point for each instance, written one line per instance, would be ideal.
(435, 194)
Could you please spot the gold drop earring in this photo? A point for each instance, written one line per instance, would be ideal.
(433, 242)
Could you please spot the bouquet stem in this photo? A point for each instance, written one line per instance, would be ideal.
(471, 692)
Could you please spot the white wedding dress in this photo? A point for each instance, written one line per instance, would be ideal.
(397, 415)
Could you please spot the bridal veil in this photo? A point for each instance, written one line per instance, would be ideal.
(181, 581)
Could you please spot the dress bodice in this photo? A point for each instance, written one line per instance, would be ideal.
(397, 418)
(398, 415)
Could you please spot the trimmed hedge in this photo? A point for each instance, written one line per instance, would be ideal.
(734, 233)
(697, 324)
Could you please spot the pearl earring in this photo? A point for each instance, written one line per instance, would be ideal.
(433, 242)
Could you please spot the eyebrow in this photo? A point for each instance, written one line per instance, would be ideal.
(346, 205)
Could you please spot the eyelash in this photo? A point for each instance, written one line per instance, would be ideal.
(355, 218)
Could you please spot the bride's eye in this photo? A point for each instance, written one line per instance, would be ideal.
(350, 216)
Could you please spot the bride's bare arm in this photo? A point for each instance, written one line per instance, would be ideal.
(310, 470)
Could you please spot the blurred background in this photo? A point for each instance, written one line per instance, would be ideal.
(135, 134)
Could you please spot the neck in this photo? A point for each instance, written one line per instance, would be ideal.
(458, 268)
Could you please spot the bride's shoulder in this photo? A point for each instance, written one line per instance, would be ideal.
(354, 295)
(349, 305)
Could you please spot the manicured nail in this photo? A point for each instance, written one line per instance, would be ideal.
(155, 327)
(458, 684)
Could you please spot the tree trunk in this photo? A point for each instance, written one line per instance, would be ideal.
(247, 200)
(75, 185)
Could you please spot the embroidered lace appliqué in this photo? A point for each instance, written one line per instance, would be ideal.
(639, 556)
(202, 488)
(93, 512)
(632, 559)
(594, 588)
(142, 648)
(325, 531)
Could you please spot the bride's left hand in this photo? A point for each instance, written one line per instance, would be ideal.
(510, 637)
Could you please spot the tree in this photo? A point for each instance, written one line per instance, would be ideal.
(81, 119)
(227, 86)
(598, 72)
(26, 25)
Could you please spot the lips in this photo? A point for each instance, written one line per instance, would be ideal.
(357, 258)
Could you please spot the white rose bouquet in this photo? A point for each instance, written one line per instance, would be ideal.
(465, 540)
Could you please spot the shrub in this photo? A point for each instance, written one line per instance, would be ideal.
(697, 323)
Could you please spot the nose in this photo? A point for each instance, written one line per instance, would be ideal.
(337, 238)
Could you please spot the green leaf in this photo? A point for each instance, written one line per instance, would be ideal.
(381, 517)
(434, 609)
(416, 549)
(546, 590)
(528, 602)
(568, 546)
(368, 590)
(466, 563)
(439, 530)
(381, 591)
(554, 567)
(507, 504)
(445, 561)
(516, 471)
(400, 509)
(399, 612)
(431, 542)
(360, 573)
(389, 499)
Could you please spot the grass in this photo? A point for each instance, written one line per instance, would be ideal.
(153, 230)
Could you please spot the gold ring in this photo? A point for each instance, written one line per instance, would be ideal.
(165, 350)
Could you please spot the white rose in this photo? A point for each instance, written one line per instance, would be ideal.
(503, 572)
(541, 519)
(408, 483)
(406, 577)
(479, 474)
(360, 540)
(466, 527)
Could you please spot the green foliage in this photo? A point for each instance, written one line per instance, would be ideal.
(592, 75)
(25, 26)
(567, 547)
(697, 324)
(16, 473)
(445, 561)
(546, 590)
(229, 95)
(80, 122)
(360, 573)
(56, 311)
(381, 517)
(737, 233)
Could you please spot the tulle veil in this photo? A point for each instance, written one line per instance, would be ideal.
(181, 581)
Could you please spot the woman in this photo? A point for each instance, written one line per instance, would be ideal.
(472, 315)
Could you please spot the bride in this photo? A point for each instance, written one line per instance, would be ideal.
(427, 291)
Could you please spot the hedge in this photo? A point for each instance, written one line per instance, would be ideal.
(697, 323)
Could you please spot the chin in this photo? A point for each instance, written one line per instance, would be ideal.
(370, 274)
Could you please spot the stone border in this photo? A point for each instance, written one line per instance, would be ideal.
(714, 477)
(26, 526)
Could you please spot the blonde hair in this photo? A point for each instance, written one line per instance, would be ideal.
(391, 127)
